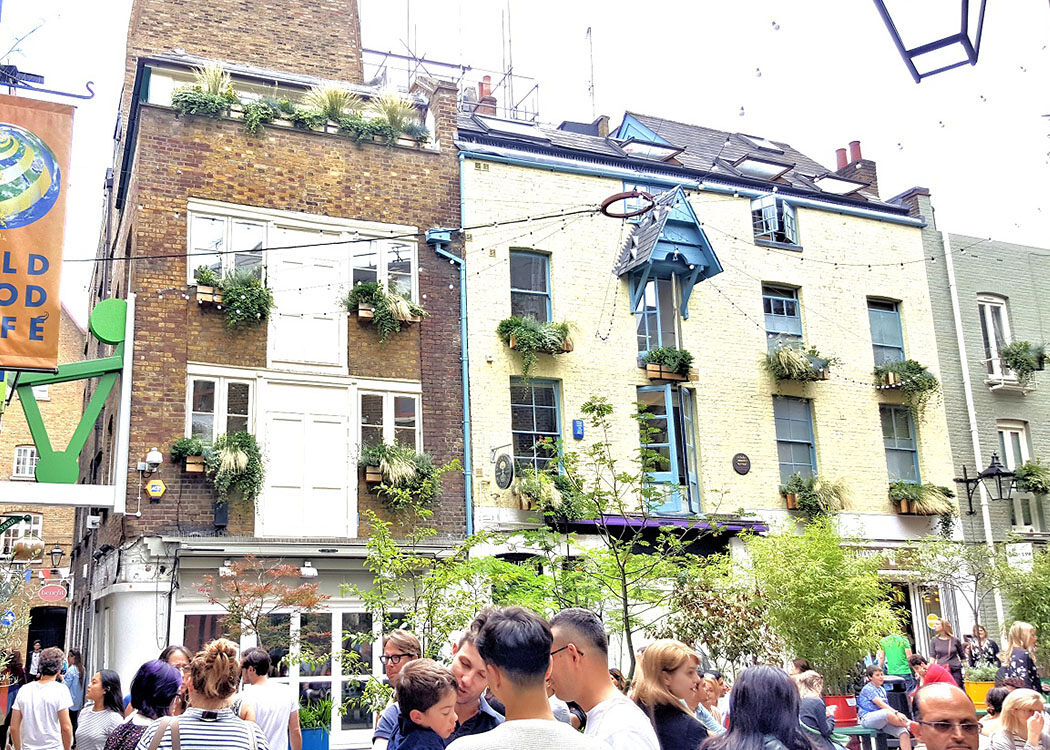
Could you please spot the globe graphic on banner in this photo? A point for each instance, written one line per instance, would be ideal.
(29, 177)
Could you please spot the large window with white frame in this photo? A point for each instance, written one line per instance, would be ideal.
(390, 418)
(225, 243)
(995, 333)
(218, 405)
(25, 462)
(21, 530)
(1026, 510)
(391, 263)
(774, 220)
(656, 316)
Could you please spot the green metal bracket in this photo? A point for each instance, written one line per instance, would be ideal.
(107, 324)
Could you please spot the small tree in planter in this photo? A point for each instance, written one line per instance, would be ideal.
(814, 496)
(385, 308)
(191, 450)
(915, 382)
(1032, 476)
(530, 338)
(792, 361)
(406, 479)
(210, 94)
(248, 302)
(667, 363)
(1023, 360)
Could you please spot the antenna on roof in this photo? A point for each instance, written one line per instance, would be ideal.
(590, 86)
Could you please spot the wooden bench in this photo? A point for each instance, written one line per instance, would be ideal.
(865, 736)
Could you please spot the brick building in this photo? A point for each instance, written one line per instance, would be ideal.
(60, 408)
(313, 381)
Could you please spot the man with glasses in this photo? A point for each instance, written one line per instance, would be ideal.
(399, 648)
(945, 718)
(580, 673)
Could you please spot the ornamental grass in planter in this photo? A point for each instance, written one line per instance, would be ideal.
(917, 384)
(408, 479)
(814, 496)
(210, 94)
(235, 467)
(793, 361)
(667, 363)
(386, 309)
(530, 338)
(1032, 476)
(1023, 360)
(912, 498)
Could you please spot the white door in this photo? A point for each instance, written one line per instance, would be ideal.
(308, 326)
(310, 487)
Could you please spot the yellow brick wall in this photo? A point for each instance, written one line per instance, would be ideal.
(733, 392)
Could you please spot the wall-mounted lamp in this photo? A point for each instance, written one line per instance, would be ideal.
(56, 556)
(308, 570)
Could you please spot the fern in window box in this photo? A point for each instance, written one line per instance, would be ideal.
(912, 498)
(386, 309)
(191, 450)
(530, 338)
(917, 384)
(1032, 476)
(793, 361)
(1023, 360)
(247, 301)
(668, 363)
(813, 496)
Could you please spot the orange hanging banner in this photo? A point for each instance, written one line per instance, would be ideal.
(35, 140)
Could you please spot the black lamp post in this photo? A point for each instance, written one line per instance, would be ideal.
(56, 556)
(938, 49)
(997, 479)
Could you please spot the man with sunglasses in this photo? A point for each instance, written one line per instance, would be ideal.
(945, 718)
(399, 648)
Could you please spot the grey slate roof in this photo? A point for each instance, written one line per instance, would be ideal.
(646, 233)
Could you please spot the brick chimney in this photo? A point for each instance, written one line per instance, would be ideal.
(486, 101)
(858, 168)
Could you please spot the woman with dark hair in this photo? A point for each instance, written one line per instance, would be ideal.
(765, 714)
(16, 678)
(798, 666)
(152, 691)
(105, 714)
(74, 682)
(180, 658)
(980, 649)
(664, 691)
(992, 721)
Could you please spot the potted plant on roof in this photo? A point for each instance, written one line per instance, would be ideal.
(916, 383)
(326, 104)
(387, 309)
(790, 360)
(921, 499)
(190, 450)
(668, 363)
(211, 93)
(530, 338)
(1023, 359)
(402, 119)
(208, 282)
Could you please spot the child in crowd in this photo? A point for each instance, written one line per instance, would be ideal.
(426, 693)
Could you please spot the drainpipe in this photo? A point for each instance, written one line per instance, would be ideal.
(971, 412)
(439, 239)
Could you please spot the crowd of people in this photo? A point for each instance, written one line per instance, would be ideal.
(516, 680)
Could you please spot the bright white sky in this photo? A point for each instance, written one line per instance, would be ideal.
(814, 73)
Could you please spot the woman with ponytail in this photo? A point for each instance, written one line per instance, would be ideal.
(209, 723)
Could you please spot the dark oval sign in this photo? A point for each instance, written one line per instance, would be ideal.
(741, 463)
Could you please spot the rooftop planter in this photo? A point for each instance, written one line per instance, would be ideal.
(530, 338)
(191, 452)
(1023, 360)
(1033, 477)
(792, 361)
(668, 363)
(387, 310)
(406, 478)
(917, 384)
(913, 499)
(813, 497)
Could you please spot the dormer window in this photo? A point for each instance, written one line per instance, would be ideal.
(759, 168)
(653, 151)
(774, 221)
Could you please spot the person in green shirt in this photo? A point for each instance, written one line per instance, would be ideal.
(894, 652)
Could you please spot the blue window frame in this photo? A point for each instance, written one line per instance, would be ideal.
(657, 315)
(783, 315)
(670, 431)
(887, 338)
(898, 435)
(774, 220)
(795, 447)
(530, 287)
(535, 422)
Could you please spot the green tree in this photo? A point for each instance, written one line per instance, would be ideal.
(1028, 593)
(825, 601)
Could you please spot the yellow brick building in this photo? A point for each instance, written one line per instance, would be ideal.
(61, 406)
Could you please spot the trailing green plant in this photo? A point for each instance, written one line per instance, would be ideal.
(331, 101)
(261, 112)
(816, 496)
(417, 131)
(234, 464)
(981, 673)
(210, 94)
(676, 360)
(316, 714)
(793, 361)
(307, 119)
(187, 446)
(247, 301)
(917, 384)
(925, 499)
(1023, 360)
(396, 111)
(389, 309)
(410, 479)
(205, 276)
(1032, 476)
(531, 338)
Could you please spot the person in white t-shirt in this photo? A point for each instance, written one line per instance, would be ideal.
(274, 707)
(580, 673)
(515, 645)
(40, 716)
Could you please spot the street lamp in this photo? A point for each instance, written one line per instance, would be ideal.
(938, 55)
(56, 556)
(998, 482)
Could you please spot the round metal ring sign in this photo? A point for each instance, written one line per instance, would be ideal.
(650, 202)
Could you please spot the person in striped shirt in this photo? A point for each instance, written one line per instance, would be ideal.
(209, 723)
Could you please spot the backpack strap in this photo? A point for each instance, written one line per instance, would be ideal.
(162, 729)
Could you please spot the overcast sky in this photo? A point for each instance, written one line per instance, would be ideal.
(814, 73)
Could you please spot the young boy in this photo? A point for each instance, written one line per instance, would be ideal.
(426, 693)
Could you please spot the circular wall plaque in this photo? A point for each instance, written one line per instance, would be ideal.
(741, 463)
(504, 471)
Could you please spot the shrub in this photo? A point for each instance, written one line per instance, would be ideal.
(1022, 359)
(235, 464)
(184, 447)
(397, 112)
(917, 384)
(532, 338)
(190, 100)
(247, 302)
(676, 360)
(792, 361)
(389, 308)
(261, 112)
(1032, 476)
(417, 131)
(981, 673)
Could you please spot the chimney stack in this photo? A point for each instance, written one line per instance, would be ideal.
(858, 168)
(486, 101)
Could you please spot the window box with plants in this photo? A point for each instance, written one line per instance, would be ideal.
(917, 384)
(1023, 360)
(813, 496)
(668, 363)
(243, 298)
(191, 451)
(915, 499)
(530, 338)
(407, 479)
(209, 289)
(211, 93)
(235, 467)
(1032, 476)
(793, 361)
(978, 681)
(553, 494)
(387, 310)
